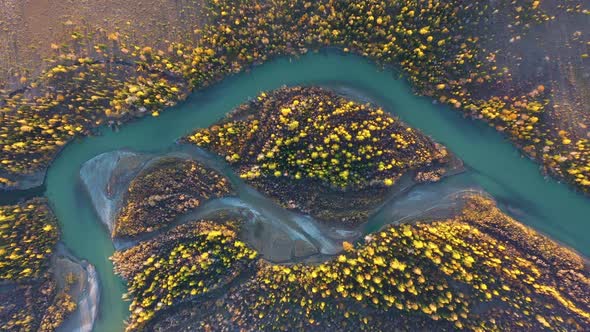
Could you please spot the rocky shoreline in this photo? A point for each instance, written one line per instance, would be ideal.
(278, 233)
(275, 240)
(110, 178)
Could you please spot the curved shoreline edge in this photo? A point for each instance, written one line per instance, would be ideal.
(22, 182)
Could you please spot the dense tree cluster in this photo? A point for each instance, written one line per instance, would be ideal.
(320, 153)
(461, 273)
(192, 260)
(22, 306)
(54, 316)
(36, 305)
(29, 298)
(437, 44)
(164, 190)
(312, 133)
(68, 100)
(28, 234)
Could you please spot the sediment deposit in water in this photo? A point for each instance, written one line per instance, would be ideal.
(135, 193)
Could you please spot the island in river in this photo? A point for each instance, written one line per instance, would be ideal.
(322, 154)
(466, 266)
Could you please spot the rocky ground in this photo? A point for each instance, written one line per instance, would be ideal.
(106, 178)
(79, 280)
(554, 54)
(118, 180)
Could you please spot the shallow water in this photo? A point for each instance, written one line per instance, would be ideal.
(495, 164)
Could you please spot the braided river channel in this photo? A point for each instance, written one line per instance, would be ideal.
(493, 164)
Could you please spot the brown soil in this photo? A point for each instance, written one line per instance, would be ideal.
(30, 30)
(552, 54)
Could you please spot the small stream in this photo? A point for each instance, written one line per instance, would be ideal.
(494, 164)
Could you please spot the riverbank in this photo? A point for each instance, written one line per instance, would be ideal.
(136, 193)
(291, 232)
(491, 162)
(279, 235)
(305, 145)
(106, 178)
(477, 269)
(42, 286)
(79, 280)
(454, 69)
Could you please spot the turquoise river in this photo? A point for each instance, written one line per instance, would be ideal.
(494, 164)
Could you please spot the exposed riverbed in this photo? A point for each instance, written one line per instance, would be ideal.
(494, 164)
(278, 234)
